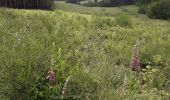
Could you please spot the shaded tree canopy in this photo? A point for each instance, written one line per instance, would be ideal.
(27, 4)
(111, 3)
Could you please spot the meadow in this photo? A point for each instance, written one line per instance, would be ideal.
(106, 11)
(90, 54)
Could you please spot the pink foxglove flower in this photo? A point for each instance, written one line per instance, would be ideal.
(51, 76)
(135, 62)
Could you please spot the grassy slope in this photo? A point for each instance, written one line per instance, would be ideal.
(31, 40)
(95, 10)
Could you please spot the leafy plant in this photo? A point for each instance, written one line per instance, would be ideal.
(159, 9)
(124, 20)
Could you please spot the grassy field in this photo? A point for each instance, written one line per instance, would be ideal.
(131, 10)
(109, 11)
(90, 54)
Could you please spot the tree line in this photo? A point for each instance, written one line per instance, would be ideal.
(154, 8)
(103, 3)
(27, 4)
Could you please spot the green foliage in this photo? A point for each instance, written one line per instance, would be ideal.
(123, 20)
(144, 2)
(154, 77)
(28, 4)
(143, 5)
(110, 3)
(95, 51)
(142, 9)
(81, 86)
(155, 8)
(104, 11)
(89, 4)
(102, 22)
(72, 1)
(159, 9)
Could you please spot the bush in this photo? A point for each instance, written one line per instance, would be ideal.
(160, 9)
(102, 22)
(81, 86)
(123, 20)
(142, 10)
(108, 3)
(104, 3)
(143, 5)
(144, 2)
(72, 1)
(90, 4)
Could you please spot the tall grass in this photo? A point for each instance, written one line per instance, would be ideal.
(96, 56)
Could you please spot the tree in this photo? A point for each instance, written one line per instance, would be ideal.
(27, 4)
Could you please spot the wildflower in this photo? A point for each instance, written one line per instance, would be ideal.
(51, 76)
(135, 62)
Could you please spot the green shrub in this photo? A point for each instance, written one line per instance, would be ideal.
(160, 9)
(123, 20)
(108, 3)
(144, 2)
(90, 4)
(81, 86)
(103, 22)
(142, 10)
(72, 1)
(143, 5)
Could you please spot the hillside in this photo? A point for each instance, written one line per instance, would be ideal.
(109, 11)
(90, 55)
